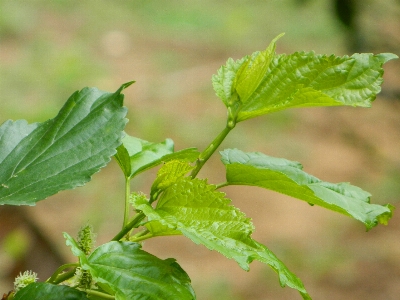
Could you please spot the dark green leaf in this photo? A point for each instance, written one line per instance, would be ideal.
(39, 160)
(204, 215)
(133, 273)
(288, 178)
(47, 291)
(136, 155)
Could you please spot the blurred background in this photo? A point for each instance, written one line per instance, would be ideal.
(49, 49)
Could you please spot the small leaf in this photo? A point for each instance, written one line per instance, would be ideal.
(136, 155)
(204, 215)
(253, 70)
(287, 177)
(170, 173)
(223, 81)
(41, 159)
(70, 241)
(47, 291)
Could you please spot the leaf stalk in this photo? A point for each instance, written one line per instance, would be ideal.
(206, 154)
(135, 221)
(98, 294)
(127, 195)
(142, 237)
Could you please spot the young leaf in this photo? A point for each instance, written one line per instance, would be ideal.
(135, 155)
(253, 70)
(264, 82)
(307, 79)
(47, 291)
(223, 81)
(204, 215)
(287, 177)
(170, 173)
(41, 159)
(134, 273)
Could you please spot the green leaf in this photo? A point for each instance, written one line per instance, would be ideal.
(307, 79)
(47, 291)
(136, 274)
(41, 159)
(133, 273)
(204, 215)
(264, 82)
(223, 81)
(253, 70)
(70, 241)
(287, 177)
(170, 173)
(136, 155)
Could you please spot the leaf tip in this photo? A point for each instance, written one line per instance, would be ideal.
(125, 85)
(382, 218)
(385, 217)
(385, 57)
(278, 36)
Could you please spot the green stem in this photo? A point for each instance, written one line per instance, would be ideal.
(98, 294)
(221, 185)
(206, 154)
(141, 238)
(127, 195)
(60, 269)
(139, 234)
(135, 221)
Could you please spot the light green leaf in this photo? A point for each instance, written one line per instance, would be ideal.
(70, 241)
(307, 79)
(158, 229)
(155, 227)
(136, 155)
(204, 215)
(253, 70)
(264, 82)
(223, 81)
(170, 173)
(288, 178)
(41, 159)
(47, 291)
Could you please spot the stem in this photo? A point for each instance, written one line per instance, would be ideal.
(206, 154)
(99, 294)
(135, 221)
(139, 234)
(141, 237)
(127, 195)
(60, 269)
(221, 185)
